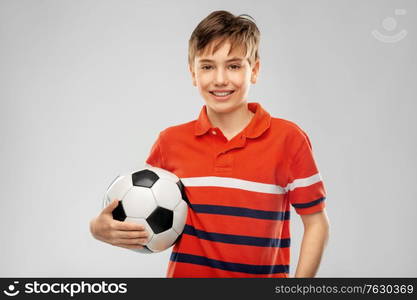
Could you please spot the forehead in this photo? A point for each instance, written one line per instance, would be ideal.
(223, 50)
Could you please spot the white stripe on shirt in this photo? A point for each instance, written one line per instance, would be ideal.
(247, 185)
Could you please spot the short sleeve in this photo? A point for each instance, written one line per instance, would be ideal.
(155, 158)
(305, 188)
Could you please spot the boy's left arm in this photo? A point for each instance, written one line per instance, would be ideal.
(316, 234)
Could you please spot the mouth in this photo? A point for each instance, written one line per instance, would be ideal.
(222, 95)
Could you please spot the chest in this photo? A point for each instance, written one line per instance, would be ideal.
(259, 160)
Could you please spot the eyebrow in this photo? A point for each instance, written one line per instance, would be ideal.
(229, 60)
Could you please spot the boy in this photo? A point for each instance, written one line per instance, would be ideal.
(241, 169)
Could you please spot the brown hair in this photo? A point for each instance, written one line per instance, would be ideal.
(224, 26)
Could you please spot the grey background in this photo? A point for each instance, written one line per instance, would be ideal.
(86, 86)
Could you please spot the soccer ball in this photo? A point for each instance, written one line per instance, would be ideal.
(154, 198)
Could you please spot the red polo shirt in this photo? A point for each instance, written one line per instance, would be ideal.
(240, 193)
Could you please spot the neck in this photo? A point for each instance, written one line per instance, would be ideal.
(231, 122)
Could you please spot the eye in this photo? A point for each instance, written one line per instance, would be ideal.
(206, 67)
(234, 67)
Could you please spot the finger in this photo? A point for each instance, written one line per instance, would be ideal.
(132, 242)
(110, 207)
(123, 234)
(128, 226)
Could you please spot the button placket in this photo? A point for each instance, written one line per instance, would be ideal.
(239, 142)
(219, 135)
(224, 164)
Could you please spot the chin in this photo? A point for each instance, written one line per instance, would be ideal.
(222, 107)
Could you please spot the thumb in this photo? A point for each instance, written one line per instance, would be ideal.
(110, 207)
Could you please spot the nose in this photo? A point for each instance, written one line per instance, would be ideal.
(220, 77)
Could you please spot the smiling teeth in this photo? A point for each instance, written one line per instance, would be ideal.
(222, 94)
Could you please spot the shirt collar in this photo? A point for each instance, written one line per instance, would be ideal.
(259, 124)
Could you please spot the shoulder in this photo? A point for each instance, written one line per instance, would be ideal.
(293, 135)
(289, 128)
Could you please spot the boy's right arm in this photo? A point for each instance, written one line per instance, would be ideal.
(122, 234)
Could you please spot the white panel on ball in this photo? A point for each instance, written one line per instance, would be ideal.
(163, 240)
(119, 188)
(144, 208)
(167, 193)
(180, 217)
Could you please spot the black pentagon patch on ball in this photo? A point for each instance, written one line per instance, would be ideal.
(182, 189)
(144, 178)
(119, 212)
(160, 219)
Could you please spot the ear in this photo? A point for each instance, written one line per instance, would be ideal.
(191, 70)
(255, 72)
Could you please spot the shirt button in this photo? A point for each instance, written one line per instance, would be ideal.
(214, 132)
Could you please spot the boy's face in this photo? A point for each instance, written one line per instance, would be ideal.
(223, 80)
